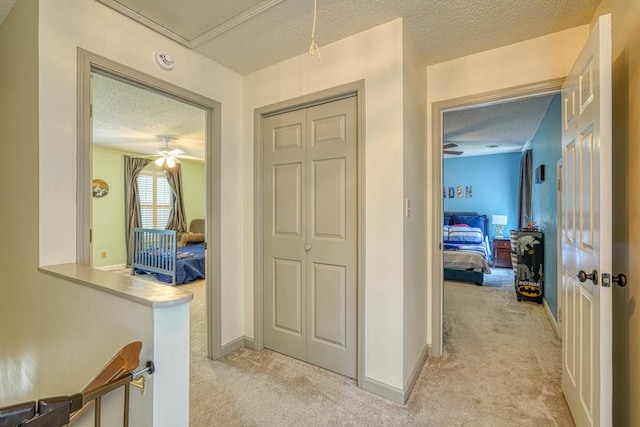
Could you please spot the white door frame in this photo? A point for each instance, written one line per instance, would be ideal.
(434, 260)
(328, 95)
(559, 222)
(88, 62)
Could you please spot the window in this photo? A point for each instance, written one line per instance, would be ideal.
(155, 199)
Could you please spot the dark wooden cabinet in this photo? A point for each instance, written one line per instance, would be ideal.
(501, 252)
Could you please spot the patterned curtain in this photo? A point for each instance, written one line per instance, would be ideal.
(132, 217)
(177, 219)
(524, 193)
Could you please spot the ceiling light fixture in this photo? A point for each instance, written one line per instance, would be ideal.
(168, 159)
(167, 156)
(314, 47)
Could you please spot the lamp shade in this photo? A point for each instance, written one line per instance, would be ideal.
(499, 219)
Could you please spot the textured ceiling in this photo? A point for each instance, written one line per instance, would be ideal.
(246, 35)
(499, 128)
(443, 29)
(134, 119)
(5, 8)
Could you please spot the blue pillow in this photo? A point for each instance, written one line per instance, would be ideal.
(465, 234)
(477, 221)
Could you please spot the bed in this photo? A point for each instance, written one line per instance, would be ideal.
(466, 247)
(156, 252)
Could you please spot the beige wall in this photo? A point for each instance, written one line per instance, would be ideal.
(56, 335)
(19, 112)
(626, 205)
(415, 314)
(66, 25)
(375, 56)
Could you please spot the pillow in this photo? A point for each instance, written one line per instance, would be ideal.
(477, 221)
(192, 238)
(447, 219)
(465, 234)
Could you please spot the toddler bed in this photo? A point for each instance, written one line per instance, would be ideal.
(466, 247)
(155, 252)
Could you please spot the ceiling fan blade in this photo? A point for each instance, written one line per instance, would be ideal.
(455, 153)
(449, 145)
(176, 152)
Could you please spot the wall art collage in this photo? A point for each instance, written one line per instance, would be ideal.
(460, 192)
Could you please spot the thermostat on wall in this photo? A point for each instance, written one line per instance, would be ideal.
(164, 60)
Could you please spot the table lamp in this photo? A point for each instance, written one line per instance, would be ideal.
(499, 221)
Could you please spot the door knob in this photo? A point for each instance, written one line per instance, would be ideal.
(307, 247)
(620, 279)
(582, 276)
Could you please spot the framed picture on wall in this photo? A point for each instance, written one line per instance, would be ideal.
(468, 192)
(459, 192)
(540, 174)
(452, 192)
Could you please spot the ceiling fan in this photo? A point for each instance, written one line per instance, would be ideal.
(446, 149)
(168, 157)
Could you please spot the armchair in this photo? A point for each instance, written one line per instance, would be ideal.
(194, 235)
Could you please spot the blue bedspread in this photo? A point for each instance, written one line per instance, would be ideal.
(190, 265)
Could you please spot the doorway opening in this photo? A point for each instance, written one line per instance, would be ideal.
(489, 319)
(438, 147)
(207, 168)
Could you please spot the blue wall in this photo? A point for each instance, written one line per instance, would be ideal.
(494, 181)
(547, 150)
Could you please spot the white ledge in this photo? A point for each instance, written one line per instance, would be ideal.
(131, 288)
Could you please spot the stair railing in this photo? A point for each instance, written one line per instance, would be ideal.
(60, 411)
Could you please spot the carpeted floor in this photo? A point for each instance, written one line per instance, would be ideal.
(501, 367)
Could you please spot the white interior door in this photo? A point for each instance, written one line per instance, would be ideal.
(586, 232)
(310, 235)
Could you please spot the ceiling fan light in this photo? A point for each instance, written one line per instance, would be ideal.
(171, 162)
(159, 161)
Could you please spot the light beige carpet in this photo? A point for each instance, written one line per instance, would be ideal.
(501, 367)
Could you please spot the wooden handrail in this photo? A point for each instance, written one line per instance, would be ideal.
(126, 360)
(64, 410)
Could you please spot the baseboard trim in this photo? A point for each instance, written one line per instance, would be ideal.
(248, 342)
(415, 373)
(112, 267)
(383, 390)
(232, 346)
(552, 319)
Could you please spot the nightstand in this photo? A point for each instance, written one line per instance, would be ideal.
(501, 252)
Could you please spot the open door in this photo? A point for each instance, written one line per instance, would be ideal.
(586, 232)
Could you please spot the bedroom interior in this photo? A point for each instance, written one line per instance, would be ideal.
(134, 122)
(481, 186)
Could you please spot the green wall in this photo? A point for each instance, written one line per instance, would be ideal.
(108, 211)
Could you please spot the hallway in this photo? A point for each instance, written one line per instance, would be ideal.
(501, 367)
